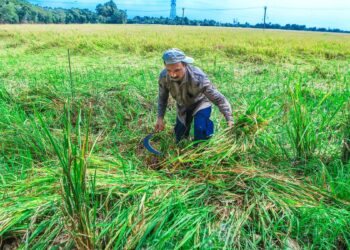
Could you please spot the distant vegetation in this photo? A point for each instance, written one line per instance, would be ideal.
(20, 11)
(206, 22)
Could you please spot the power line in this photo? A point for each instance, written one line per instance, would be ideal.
(197, 9)
(147, 10)
(60, 2)
(313, 9)
(226, 9)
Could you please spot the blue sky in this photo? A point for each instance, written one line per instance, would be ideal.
(328, 14)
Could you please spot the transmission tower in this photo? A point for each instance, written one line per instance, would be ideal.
(173, 9)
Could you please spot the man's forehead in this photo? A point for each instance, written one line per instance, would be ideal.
(175, 66)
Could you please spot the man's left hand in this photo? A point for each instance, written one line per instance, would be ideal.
(230, 124)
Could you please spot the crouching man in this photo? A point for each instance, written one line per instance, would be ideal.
(194, 95)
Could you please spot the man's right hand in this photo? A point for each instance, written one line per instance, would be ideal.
(160, 126)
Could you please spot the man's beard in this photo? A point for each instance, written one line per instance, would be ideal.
(177, 79)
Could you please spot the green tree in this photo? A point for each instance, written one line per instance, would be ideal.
(107, 9)
(58, 16)
(8, 12)
(26, 14)
(109, 13)
(45, 17)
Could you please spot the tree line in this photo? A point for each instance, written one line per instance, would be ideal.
(206, 22)
(21, 11)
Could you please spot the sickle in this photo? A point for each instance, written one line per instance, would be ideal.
(147, 144)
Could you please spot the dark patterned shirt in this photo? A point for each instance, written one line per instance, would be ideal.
(195, 91)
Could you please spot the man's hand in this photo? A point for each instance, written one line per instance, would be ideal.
(230, 124)
(160, 126)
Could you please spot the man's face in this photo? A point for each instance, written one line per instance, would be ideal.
(176, 71)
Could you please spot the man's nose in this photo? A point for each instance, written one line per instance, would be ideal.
(173, 75)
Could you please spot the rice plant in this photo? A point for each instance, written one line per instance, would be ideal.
(77, 189)
(346, 141)
(304, 131)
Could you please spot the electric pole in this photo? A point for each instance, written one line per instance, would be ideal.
(183, 16)
(265, 16)
(235, 21)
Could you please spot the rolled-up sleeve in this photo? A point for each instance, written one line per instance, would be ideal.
(217, 98)
(163, 97)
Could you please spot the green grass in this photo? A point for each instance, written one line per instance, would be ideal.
(73, 172)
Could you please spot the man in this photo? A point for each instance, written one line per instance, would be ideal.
(193, 93)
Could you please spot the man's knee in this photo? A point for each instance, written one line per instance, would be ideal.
(203, 126)
(181, 131)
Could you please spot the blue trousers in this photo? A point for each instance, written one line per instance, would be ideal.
(203, 126)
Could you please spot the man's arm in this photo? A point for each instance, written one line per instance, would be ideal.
(163, 96)
(218, 99)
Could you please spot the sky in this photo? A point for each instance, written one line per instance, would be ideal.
(319, 13)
